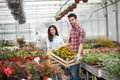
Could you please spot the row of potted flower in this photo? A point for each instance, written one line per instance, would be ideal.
(110, 62)
(70, 8)
(77, 1)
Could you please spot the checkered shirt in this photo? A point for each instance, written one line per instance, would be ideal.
(77, 36)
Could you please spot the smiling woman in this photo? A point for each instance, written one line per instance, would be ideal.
(54, 41)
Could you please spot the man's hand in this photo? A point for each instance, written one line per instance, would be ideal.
(78, 57)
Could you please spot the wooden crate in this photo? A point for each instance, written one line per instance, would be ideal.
(63, 62)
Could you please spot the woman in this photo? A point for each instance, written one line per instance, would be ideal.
(54, 41)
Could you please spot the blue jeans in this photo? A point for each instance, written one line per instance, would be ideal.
(75, 71)
(57, 77)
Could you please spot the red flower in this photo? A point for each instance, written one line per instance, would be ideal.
(20, 59)
(44, 57)
(8, 71)
(42, 65)
(28, 59)
(0, 64)
(29, 77)
(12, 59)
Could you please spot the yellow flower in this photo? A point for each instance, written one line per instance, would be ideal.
(18, 53)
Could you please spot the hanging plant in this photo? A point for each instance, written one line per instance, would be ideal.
(74, 5)
(62, 13)
(22, 18)
(17, 10)
(70, 7)
(77, 1)
(65, 11)
(58, 17)
(12, 3)
(85, 1)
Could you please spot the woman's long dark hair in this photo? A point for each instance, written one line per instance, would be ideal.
(50, 36)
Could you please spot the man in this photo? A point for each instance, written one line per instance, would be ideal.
(76, 42)
(39, 40)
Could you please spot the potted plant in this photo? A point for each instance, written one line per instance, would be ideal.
(66, 11)
(85, 1)
(21, 42)
(77, 1)
(74, 5)
(70, 7)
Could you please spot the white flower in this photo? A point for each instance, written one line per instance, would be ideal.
(37, 59)
(23, 79)
(49, 79)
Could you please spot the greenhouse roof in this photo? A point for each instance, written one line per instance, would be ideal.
(46, 10)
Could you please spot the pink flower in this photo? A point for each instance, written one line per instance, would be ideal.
(8, 71)
(46, 73)
(56, 69)
(19, 63)
(50, 63)
(63, 75)
(0, 64)
(29, 77)
(35, 64)
(42, 65)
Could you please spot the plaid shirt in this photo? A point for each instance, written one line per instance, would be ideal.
(77, 36)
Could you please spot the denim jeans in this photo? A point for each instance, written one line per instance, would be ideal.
(75, 71)
(57, 77)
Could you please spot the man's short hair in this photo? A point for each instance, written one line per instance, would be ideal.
(72, 15)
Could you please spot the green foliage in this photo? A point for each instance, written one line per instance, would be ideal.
(88, 45)
(20, 53)
(112, 65)
(5, 43)
(91, 58)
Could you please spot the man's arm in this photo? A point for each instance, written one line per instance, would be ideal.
(80, 51)
(67, 43)
(81, 45)
(79, 54)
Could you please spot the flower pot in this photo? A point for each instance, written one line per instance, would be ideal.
(77, 1)
(85, 1)
(66, 11)
(70, 9)
(74, 6)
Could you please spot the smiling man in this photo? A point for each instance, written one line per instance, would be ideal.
(76, 42)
